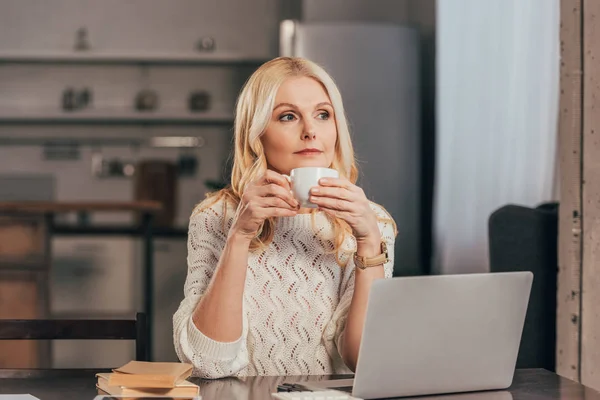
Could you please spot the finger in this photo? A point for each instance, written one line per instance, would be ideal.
(332, 203)
(273, 177)
(274, 190)
(276, 202)
(337, 182)
(334, 192)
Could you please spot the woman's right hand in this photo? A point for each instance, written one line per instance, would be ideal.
(269, 196)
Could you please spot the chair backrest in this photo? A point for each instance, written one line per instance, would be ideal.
(526, 239)
(80, 329)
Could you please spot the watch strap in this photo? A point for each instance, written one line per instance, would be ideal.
(363, 262)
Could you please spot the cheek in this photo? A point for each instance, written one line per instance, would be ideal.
(277, 146)
(331, 139)
(271, 150)
(268, 139)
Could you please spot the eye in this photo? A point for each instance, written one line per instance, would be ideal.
(323, 115)
(287, 117)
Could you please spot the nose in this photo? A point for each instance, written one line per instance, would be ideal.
(309, 135)
(309, 132)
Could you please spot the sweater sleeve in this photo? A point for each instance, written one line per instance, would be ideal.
(336, 326)
(210, 359)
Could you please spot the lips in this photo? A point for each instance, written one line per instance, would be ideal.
(309, 151)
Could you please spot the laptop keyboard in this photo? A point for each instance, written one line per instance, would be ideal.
(318, 395)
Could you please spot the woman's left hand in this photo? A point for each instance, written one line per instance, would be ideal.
(342, 199)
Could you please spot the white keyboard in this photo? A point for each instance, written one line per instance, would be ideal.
(318, 395)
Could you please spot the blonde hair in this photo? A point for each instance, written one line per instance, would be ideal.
(253, 112)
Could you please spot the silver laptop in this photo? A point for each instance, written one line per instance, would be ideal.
(439, 334)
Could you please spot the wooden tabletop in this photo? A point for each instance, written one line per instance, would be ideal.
(533, 384)
(79, 206)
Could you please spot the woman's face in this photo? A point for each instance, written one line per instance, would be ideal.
(302, 131)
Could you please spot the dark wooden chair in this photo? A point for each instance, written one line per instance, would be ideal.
(80, 329)
(525, 239)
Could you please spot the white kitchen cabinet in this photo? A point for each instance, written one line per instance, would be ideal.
(102, 277)
(93, 277)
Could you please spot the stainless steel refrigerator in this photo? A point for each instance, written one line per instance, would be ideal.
(376, 67)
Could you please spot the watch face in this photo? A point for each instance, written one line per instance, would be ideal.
(384, 247)
(357, 262)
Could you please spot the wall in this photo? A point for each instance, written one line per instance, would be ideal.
(578, 298)
(590, 272)
(393, 11)
(423, 15)
(570, 133)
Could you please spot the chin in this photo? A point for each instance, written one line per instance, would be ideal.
(312, 163)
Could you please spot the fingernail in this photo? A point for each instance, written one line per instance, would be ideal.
(323, 180)
(314, 190)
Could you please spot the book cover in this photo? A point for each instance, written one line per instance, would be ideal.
(181, 388)
(149, 374)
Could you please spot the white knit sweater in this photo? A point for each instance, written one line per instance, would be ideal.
(296, 298)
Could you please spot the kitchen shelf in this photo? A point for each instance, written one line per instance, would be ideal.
(79, 206)
(117, 230)
(174, 142)
(93, 315)
(31, 263)
(92, 116)
(90, 57)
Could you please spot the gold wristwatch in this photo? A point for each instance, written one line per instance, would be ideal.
(362, 262)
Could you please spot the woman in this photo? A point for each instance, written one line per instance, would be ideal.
(272, 289)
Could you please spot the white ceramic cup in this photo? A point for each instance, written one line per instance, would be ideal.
(305, 178)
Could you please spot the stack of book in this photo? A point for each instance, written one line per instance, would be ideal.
(147, 379)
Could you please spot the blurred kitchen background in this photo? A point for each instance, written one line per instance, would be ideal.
(117, 101)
